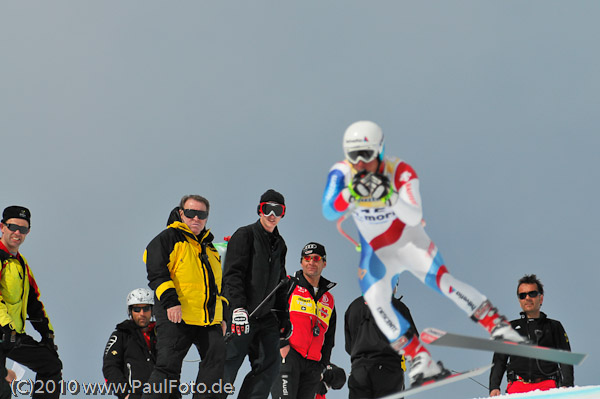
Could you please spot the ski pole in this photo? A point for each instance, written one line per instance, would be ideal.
(341, 229)
(283, 281)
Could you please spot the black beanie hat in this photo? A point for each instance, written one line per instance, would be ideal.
(272, 196)
(16, 212)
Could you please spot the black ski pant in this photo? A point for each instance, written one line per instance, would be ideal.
(173, 343)
(43, 361)
(375, 379)
(261, 346)
(299, 378)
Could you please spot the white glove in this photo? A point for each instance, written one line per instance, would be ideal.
(240, 322)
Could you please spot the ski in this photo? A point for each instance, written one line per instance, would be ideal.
(434, 336)
(454, 377)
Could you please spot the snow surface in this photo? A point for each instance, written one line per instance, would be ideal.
(587, 392)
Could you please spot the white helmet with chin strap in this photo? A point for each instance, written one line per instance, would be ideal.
(140, 296)
(363, 141)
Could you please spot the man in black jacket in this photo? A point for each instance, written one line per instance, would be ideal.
(129, 356)
(377, 369)
(254, 266)
(526, 374)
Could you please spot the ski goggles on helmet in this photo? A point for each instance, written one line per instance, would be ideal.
(15, 227)
(361, 155)
(532, 294)
(190, 213)
(271, 208)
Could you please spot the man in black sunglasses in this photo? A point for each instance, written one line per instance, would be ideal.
(184, 270)
(19, 289)
(525, 374)
(254, 267)
(130, 352)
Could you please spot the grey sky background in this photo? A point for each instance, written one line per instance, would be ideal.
(112, 110)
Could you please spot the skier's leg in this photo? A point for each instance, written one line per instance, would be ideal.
(426, 263)
(375, 280)
(376, 273)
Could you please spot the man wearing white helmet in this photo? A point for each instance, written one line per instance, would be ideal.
(382, 192)
(129, 356)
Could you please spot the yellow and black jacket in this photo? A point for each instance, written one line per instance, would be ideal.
(20, 296)
(185, 269)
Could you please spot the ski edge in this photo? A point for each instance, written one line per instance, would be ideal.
(456, 377)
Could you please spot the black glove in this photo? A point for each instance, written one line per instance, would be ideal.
(361, 184)
(334, 376)
(48, 342)
(380, 186)
(285, 332)
(10, 338)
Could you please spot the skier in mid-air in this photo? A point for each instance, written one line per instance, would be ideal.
(382, 192)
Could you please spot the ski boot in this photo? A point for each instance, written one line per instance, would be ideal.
(496, 324)
(424, 369)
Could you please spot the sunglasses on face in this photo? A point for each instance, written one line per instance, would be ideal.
(138, 309)
(16, 227)
(190, 213)
(532, 294)
(315, 258)
(272, 208)
(361, 155)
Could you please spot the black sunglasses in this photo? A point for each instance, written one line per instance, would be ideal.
(138, 309)
(532, 294)
(16, 227)
(190, 213)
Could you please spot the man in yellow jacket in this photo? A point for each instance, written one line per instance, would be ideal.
(184, 270)
(20, 300)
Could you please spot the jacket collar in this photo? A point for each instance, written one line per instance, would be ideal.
(324, 284)
(542, 316)
(204, 236)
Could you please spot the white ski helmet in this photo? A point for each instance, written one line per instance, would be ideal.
(363, 141)
(140, 296)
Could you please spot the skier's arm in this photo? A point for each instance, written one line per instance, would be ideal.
(329, 342)
(113, 362)
(348, 329)
(497, 371)
(336, 195)
(408, 205)
(236, 266)
(157, 259)
(568, 377)
(36, 311)
(281, 296)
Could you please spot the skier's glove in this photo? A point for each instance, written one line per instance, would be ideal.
(333, 376)
(380, 186)
(361, 185)
(240, 322)
(285, 332)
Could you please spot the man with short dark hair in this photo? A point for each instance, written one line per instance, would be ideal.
(20, 301)
(184, 270)
(525, 374)
(307, 352)
(254, 267)
(129, 355)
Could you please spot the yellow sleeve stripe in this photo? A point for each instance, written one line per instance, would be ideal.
(163, 287)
